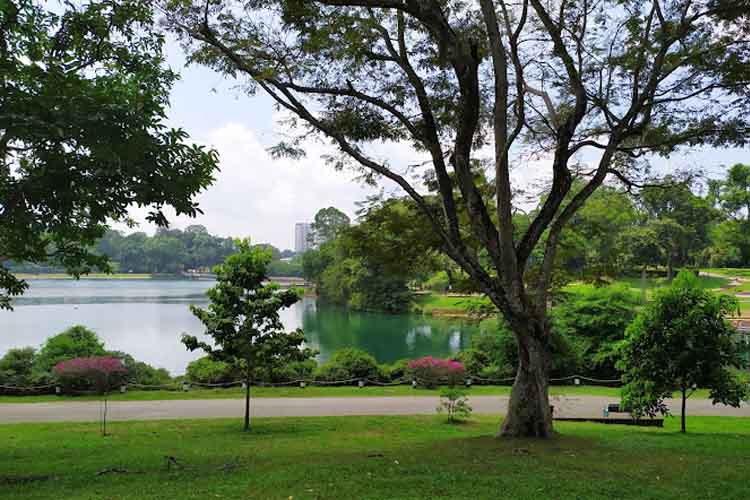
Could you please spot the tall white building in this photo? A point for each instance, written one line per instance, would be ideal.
(301, 237)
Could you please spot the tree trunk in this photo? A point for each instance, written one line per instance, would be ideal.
(247, 403)
(529, 413)
(682, 416)
(643, 285)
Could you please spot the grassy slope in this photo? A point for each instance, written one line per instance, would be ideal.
(319, 392)
(729, 271)
(430, 302)
(373, 458)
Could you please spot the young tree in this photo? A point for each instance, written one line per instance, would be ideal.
(100, 373)
(553, 79)
(679, 342)
(83, 94)
(243, 318)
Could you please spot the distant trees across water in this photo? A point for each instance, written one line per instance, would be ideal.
(172, 251)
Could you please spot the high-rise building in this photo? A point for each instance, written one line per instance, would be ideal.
(302, 236)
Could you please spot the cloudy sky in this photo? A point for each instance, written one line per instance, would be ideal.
(257, 196)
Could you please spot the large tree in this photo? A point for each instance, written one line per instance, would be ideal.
(460, 79)
(83, 92)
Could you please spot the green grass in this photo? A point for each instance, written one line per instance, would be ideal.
(430, 303)
(318, 392)
(373, 458)
(706, 282)
(729, 271)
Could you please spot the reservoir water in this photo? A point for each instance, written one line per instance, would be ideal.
(145, 318)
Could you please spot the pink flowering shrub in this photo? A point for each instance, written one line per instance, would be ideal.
(430, 371)
(98, 373)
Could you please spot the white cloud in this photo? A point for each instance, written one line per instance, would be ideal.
(257, 196)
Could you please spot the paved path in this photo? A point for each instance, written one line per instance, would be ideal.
(565, 406)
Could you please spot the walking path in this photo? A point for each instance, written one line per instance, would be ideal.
(86, 411)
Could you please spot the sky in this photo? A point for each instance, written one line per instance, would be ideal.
(262, 198)
(253, 195)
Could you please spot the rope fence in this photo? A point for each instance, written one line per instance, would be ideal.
(186, 385)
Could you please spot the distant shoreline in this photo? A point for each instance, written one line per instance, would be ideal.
(96, 276)
(145, 276)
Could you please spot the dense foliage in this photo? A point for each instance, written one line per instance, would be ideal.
(594, 321)
(83, 98)
(479, 88)
(679, 342)
(168, 251)
(25, 367)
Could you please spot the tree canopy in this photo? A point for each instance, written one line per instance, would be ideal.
(83, 94)
(679, 342)
(327, 224)
(461, 81)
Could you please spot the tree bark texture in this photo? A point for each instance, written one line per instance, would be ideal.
(529, 412)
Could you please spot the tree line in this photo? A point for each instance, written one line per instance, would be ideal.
(171, 251)
(391, 250)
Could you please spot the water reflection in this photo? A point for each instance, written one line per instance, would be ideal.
(387, 337)
(147, 317)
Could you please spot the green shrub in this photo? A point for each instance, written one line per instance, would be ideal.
(594, 321)
(348, 363)
(140, 372)
(75, 342)
(398, 370)
(298, 370)
(497, 372)
(16, 367)
(438, 282)
(475, 360)
(497, 340)
(208, 371)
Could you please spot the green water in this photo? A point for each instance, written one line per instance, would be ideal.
(146, 318)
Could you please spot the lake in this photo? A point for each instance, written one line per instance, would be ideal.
(145, 318)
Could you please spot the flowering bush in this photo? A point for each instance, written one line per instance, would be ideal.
(430, 371)
(98, 373)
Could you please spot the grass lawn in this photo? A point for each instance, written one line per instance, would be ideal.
(317, 392)
(729, 271)
(706, 282)
(373, 458)
(429, 303)
(321, 392)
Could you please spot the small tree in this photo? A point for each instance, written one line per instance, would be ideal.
(243, 318)
(101, 373)
(679, 342)
(455, 404)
